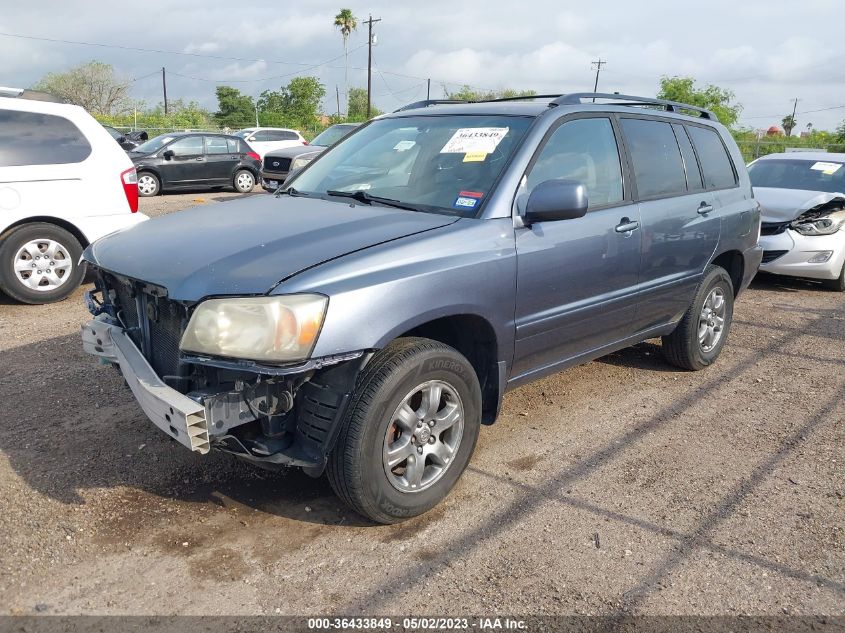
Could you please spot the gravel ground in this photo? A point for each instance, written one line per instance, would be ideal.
(621, 485)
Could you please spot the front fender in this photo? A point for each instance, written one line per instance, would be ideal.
(376, 295)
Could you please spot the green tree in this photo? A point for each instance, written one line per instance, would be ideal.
(840, 132)
(234, 109)
(466, 93)
(346, 22)
(295, 104)
(95, 86)
(357, 106)
(788, 124)
(718, 100)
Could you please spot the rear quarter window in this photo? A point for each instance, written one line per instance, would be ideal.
(716, 166)
(32, 138)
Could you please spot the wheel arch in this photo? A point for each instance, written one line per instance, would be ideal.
(475, 338)
(734, 263)
(48, 219)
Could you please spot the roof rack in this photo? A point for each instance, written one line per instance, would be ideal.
(429, 102)
(26, 93)
(576, 98)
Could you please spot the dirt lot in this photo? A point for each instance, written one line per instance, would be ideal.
(620, 485)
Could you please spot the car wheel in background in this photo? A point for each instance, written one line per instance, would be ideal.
(837, 284)
(702, 332)
(39, 263)
(148, 184)
(244, 181)
(409, 432)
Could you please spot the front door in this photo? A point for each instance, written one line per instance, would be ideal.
(187, 165)
(576, 279)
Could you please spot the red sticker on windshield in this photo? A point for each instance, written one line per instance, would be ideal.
(471, 194)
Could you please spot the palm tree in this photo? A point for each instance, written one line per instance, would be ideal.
(347, 23)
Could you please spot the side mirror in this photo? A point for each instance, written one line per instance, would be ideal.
(251, 139)
(121, 139)
(556, 200)
(168, 154)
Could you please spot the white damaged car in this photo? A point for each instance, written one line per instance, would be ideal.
(802, 196)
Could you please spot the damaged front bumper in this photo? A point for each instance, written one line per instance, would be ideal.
(233, 420)
(790, 253)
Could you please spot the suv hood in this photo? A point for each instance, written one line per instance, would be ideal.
(785, 205)
(293, 152)
(246, 247)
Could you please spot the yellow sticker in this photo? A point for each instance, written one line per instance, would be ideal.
(473, 157)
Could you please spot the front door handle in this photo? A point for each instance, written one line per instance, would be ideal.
(704, 208)
(626, 226)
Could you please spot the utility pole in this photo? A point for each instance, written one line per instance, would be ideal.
(597, 65)
(256, 115)
(164, 88)
(428, 90)
(337, 94)
(369, 24)
(792, 120)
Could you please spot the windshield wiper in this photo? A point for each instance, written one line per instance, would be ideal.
(290, 191)
(362, 196)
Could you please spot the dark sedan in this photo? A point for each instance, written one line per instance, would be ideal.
(127, 140)
(277, 164)
(194, 160)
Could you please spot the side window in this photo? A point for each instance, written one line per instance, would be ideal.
(288, 136)
(30, 138)
(584, 150)
(690, 163)
(262, 136)
(716, 165)
(234, 145)
(187, 146)
(658, 167)
(216, 145)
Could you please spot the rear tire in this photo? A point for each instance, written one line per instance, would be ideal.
(702, 332)
(837, 284)
(148, 184)
(39, 263)
(244, 181)
(409, 432)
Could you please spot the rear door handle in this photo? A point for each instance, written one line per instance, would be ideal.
(199, 158)
(705, 208)
(626, 226)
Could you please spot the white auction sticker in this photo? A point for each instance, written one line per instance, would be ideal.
(827, 168)
(402, 146)
(475, 140)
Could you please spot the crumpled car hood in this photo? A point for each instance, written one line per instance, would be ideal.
(245, 247)
(784, 205)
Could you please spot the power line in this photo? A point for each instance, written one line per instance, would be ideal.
(769, 116)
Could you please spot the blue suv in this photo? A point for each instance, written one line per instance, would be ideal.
(369, 318)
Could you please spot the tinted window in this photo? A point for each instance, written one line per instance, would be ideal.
(216, 145)
(716, 166)
(260, 137)
(234, 145)
(187, 146)
(657, 159)
(332, 135)
(690, 163)
(584, 150)
(288, 136)
(809, 175)
(28, 138)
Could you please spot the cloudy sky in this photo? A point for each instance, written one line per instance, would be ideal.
(767, 52)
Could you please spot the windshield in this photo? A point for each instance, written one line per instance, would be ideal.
(332, 135)
(443, 164)
(154, 144)
(809, 175)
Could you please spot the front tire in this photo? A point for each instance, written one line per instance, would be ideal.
(702, 332)
(837, 284)
(148, 185)
(409, 432)
(39, 263)
(244, 181)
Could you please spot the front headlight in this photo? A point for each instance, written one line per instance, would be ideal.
(827, 225)
(265, 329)
(299, 163)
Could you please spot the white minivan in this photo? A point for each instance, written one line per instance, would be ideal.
(268, 139)
(64, 183)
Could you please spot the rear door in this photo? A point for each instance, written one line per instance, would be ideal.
(221, 157)
(680, 217)
(576, 279)
(187, 166)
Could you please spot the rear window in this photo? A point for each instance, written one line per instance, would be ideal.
(658, 166)
(808, 175)
(31, 138)
(716, 166)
